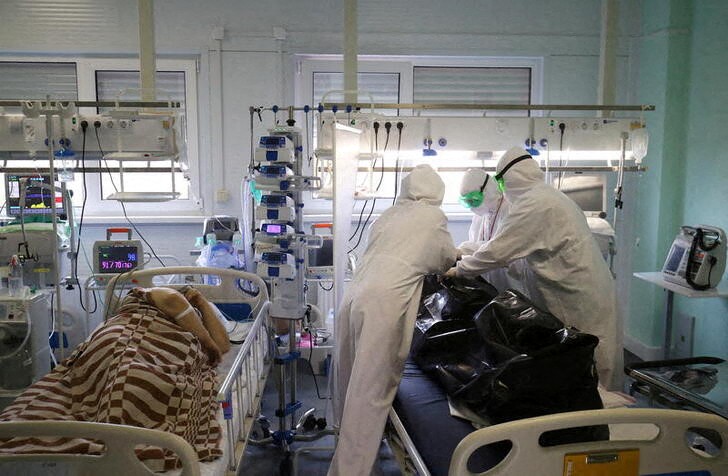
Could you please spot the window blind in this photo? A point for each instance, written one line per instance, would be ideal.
(110, 85)
(37, 80)
(472, 85)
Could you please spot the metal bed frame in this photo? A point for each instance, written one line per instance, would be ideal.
(666, 451)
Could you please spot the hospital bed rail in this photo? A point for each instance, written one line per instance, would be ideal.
(252, 363)
(666, 453)
(409, 457)
(241, 390)
(118, 442)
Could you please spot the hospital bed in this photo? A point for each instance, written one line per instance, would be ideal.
(428, 441)
(242, 374)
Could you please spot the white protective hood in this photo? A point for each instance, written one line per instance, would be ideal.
(520, 177)
(422, 184)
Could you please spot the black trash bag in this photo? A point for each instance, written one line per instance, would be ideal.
(431, 285)
(436, 342)
(456, 298)
(444, 330)
(513, 321)
(561, 377)
(523, 363)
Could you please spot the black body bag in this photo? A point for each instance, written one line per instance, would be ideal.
(445, 331)
(523, 363)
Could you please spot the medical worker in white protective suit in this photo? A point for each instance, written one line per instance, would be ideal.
(376, 318)
(569, 277)
(480, 194)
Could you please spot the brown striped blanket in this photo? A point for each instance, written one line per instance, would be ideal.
(139, 369)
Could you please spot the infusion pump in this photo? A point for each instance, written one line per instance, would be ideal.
(697, 257)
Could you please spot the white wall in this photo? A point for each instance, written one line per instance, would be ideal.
(258, 69)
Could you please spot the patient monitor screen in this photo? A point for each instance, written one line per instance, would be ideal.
(38, 201)
(587, 191)
(117, 259)
(673, 261)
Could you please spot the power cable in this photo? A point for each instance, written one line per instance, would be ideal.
(97, 125)
(84, 127)
(375, 126)
(310, 365)
(562, 128)
(387, 127)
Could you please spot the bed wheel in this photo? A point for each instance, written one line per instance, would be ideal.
(310, 423)
(321, 423)
(286, 468)
(261, 428)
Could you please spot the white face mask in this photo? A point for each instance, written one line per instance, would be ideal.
(482, 210)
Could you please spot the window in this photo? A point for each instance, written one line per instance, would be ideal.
(109, 79)
(427, 80)
(34, 80)
(373, 87)
(125, 85)
(472, 85)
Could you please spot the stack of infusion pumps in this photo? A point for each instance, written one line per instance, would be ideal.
(24, 350)
(280, 242)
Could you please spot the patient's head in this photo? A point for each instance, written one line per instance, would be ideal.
(170, 301)
(189, 309)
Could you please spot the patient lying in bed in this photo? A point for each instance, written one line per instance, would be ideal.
(151, 365)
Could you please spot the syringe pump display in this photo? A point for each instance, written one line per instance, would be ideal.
(277, 265)
(275, 149)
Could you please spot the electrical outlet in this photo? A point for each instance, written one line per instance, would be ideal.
(222, 195)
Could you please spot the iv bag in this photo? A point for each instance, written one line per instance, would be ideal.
(640, 140)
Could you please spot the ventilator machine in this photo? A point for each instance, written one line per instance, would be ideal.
(697, 257)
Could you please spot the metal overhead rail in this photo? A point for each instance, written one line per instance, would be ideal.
(439, 106)
(167, 104)
(87, 169)
(514, 107)
(555, 168)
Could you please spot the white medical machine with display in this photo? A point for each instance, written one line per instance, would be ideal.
(224, 228)
(276, 208)
(697, 257)
(112, 257)
(24, 349)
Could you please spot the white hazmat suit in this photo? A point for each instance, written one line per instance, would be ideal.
(488, 215)
(568, 276)
(487, 220)
(377, 315)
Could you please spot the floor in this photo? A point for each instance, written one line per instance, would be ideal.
(266, 460)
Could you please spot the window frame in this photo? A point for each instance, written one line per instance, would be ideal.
(307, 64)
(98, 209)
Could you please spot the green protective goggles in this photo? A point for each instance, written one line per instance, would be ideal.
(474, 199)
